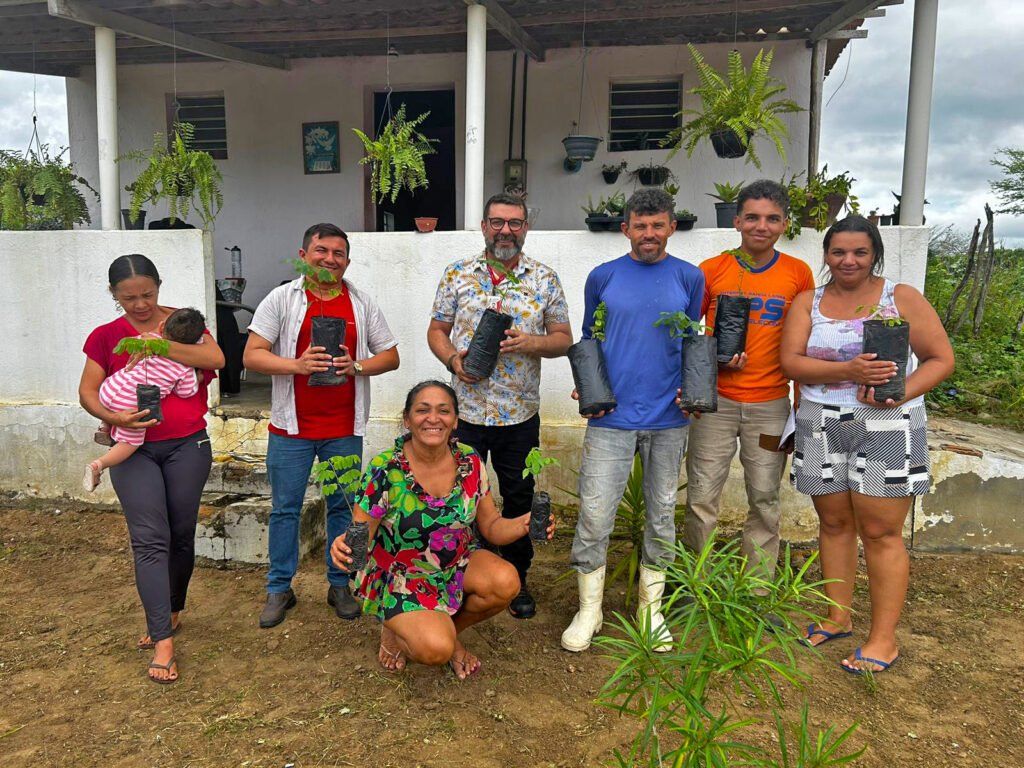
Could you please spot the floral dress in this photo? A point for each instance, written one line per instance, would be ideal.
(418, 558)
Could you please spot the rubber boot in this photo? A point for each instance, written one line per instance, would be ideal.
(648, 613)
(588, 620)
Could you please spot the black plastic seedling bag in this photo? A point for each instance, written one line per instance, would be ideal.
(892, 343)
(732, 314)
(148, 396)
(590, 375)
(329, 333)
(358, 539)
(700, 374)
(540, 516)
(482, 357)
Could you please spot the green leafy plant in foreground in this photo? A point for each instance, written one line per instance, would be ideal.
(537, 462)
(688, 701)
(146, 347)
(726, 192)
(883, 313)
(600, 318)
(338, 473)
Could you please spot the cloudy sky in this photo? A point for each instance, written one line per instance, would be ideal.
(977, 108)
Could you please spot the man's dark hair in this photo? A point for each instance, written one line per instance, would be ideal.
(649, 202)
(764, 189)
(185, 326)
(505, 198)
(322, 231)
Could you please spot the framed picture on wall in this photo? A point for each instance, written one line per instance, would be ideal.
(320, 153)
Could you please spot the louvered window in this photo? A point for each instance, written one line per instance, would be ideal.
(206, 113)
(642, 113)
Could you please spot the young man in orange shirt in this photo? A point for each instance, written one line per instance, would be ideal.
(753, 395)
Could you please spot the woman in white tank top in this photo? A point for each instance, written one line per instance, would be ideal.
(860, 460)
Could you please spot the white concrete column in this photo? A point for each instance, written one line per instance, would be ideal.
(919, 110)
(476, 93)
(106, 128)
(818, 54)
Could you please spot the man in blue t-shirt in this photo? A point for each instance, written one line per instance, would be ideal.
(644, 365)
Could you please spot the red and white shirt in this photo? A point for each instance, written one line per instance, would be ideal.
(117, 392)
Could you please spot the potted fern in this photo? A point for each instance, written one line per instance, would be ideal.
(188, 179)
(396, 156)
(38, 191)
(736, 107)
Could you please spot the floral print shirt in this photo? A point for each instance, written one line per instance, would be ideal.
(419, 555)
(512, 393)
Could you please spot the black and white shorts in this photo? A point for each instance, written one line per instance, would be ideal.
(872, 451)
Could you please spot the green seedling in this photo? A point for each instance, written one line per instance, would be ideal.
(510, 282)
(319, 280)
(877, 312)
(537, 462)
(600, 318)
(616, 204)
(746, 265)
(338, 472)
(147, 347)
(679, 324)
(595, 209)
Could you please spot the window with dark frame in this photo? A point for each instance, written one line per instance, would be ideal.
(206, 113)
(642, 112)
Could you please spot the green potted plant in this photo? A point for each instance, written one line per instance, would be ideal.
(611, 171)
(540, 508)
(325, 331)
(396, 156)
(732, 313)
(725, 209)
(589, 371)
(485, 346)
(684, 219)
(735, 108)
(604, 215)
(188, 179)
(887, 335)
(818, 202)
(139, 222)
(652, 175)
(699, 376)
(38, 191)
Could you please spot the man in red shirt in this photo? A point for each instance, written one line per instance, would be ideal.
(753, 395)
(314, 422)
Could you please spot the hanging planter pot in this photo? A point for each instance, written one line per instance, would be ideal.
(732, 316)
(727, 144)
(652, 175)
(580, 147)
(482, 357)
(604, 223)
(590, 377)
(126, 219)
(699, 384)
(891, 343)
(685, 222)
(610, 177)
(329, 333)
(835, 203)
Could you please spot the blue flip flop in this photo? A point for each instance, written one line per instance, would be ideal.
(811, 631)
(857, 657)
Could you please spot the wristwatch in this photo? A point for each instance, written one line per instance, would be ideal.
(357, 366)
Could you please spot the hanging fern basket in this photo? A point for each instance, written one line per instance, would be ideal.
(580, 147)
(728, 144)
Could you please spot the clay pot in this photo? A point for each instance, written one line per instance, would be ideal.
(426, 223)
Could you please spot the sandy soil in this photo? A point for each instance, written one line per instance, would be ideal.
(310, 693)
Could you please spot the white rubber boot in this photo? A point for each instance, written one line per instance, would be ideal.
(588, 620)
(648, 613)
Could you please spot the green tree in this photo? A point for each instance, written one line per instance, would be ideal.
(1010, 188)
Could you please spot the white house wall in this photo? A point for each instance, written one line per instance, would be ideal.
(269, 201)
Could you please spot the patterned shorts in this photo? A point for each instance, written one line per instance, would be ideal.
(872, 451)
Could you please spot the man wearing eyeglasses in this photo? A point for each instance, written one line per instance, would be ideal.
(498, 416)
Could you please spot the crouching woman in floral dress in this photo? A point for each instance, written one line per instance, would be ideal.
(425, 578)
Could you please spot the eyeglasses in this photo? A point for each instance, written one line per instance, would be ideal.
(514, 225)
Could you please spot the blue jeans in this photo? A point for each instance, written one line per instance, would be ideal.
(604, 469)
(289, 462)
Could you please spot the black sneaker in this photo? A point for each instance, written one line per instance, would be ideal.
(277, 606)
(523, 606)
(345, 606)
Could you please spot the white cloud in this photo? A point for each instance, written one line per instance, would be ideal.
(975, 110)
(16, 100)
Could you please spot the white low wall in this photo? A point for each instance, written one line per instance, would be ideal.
(45, 437)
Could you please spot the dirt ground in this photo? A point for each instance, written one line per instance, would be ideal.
(310, 693)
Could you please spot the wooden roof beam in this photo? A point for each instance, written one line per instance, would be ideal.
(93, 16)
(510, 29)
(836, 21)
